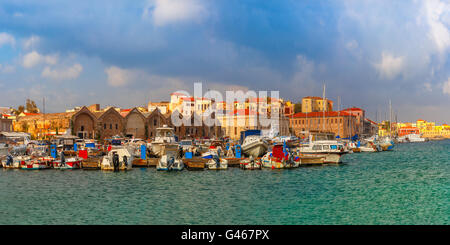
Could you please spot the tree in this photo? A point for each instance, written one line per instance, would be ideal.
(19, 110)
(298, 107)
(31, 106)
(146, 131)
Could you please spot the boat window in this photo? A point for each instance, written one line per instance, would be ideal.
(333, 147)
(317, 147)
(326, 147)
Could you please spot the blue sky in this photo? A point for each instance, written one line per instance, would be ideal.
(125, 53)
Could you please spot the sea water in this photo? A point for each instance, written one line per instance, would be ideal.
(409, 185)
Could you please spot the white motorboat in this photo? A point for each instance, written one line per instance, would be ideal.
(164, 136)
(217, 164)
(331, 150)
(254, 145)
(411, 138)
(250, 164)
(169, 161)
(117, 159)
(15, 161)
(370, 147)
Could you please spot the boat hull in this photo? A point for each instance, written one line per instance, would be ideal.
(333, 158)
(255, 149)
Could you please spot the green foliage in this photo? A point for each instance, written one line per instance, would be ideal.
(31, 106)
(146, 131)
(298, 107)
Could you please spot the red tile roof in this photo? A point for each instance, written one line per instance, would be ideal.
(179, 94)
(188, 98)
(321, 114)
(353, 109)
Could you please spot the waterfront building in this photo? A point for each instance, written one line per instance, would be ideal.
(41, 125)
(162, 106)
(135, 124)
(316, 104)
(5, 123)
(341, 123)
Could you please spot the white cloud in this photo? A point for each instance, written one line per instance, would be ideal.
(31, 42)
(63, 74)
(389, 66)
(446, 87)
(118, 77)
(437, 14)
(6, 38)
(164, 12)
(7, 68)
(303, 80)
(34, 58)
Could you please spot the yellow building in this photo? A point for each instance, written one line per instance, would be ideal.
(316, 104)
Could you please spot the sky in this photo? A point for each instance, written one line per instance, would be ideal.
(125, 53)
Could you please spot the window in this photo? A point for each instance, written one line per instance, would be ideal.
(326, 147)
(154, 122)
(116, 126)
(104, 126)
(110, 126)
(317, 147)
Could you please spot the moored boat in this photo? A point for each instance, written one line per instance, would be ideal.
(116, 160)
(70, 163)
(331, 150)
(165, 136)
(169, 160)
(217, 164)
(254, 145)
(250, 164)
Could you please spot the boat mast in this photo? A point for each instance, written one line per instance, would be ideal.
(43, 102)
(339, 115)
(390, 118)
(323, 108)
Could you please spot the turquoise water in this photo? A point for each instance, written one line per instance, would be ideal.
(407, 186)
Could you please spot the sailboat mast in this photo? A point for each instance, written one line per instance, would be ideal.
(323, 108)
(43, 102)
(390, 118)
(339, 115)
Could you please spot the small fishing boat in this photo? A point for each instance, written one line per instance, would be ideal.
(37, 163)
(116, 160)
(217, 164)
(254, 145)
(387, 144)
(250, 164)
(370, 147)
(412, 138)
(15, 162)
(277, 159)
(70, 163)
(169, 160)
